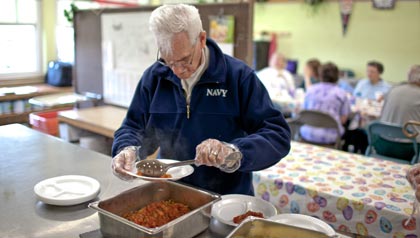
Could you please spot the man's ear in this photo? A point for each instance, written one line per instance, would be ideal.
(203, 38)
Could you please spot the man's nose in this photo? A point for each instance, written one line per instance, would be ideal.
(178, 70)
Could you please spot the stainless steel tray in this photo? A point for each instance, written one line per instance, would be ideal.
(112, 224)
(263, 228)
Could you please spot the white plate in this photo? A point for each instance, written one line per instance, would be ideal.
(304, 221)
(234, 205)
(67, 190)
(176, 172)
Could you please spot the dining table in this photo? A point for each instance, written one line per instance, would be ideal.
(289, 104)
(101, 120)
(28, 157)
(350, 192)
(362, 111)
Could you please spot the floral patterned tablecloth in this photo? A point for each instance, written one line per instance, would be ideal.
(350, 192)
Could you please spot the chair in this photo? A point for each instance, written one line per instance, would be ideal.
(388, 141)
(315, 119)
(407, 132)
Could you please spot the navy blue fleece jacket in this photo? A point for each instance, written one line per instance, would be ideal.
(228, 103)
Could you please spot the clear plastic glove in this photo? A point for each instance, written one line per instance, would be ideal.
(124, 162)
(212, 152)
(413, 176)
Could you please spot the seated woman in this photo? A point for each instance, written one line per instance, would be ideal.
(276, 79)
(311, 73)
(326, 97)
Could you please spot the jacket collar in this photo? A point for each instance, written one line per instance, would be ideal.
(215, 72)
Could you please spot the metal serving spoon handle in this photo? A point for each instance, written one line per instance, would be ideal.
(180, 163)
(155, 168)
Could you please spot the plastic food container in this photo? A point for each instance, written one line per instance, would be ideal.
(46, 122)
(112, 224)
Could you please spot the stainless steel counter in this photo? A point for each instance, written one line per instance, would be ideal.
(27, 157)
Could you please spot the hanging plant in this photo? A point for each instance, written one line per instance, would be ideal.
(69, 14)
(314, 2)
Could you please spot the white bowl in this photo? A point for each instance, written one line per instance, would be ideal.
(236, 204)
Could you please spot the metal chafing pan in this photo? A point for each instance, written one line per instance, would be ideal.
(263, 228)
(112, 224)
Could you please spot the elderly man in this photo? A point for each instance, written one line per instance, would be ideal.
(196, 102)
(276, 78)
(402, 103)
(374, 87)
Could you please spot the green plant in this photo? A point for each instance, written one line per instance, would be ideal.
(69, 14)
(314, 2)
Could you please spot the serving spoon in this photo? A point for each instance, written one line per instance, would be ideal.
(155, 168)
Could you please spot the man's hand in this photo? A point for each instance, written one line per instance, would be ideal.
(123, 162)
(413, 176)
(211, 152)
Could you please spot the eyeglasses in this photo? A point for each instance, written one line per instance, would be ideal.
(178, 64)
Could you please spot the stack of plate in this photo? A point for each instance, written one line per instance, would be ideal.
(231, 206)
(305, 222)
(67, 190)
(234, 205)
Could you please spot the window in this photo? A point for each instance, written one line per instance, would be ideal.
(64, 28)
(64, 33)
(20, 38)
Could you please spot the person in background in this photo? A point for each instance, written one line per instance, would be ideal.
(197, 103)
(326, 97)
(413, 176)
(374, 87)
(311, 73)
(402, 103)
(344, 83)
(276, 78)
(346, 86)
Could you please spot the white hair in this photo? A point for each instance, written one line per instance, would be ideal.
(414, 74)
(275, 58)
(168, 20)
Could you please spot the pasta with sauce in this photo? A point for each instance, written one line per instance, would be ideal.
(157, 213)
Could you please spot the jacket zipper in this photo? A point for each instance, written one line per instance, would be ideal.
(188, 104)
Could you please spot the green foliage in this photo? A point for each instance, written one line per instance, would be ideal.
(69, 14)
(314, 2)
